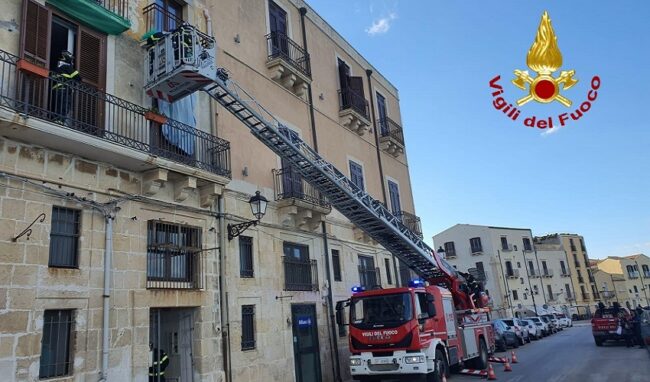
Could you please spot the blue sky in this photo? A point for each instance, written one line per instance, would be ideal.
(468, 162)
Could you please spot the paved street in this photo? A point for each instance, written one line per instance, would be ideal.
(571, 355)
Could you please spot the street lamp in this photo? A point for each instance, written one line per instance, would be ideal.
(441, 252)
(258, 208)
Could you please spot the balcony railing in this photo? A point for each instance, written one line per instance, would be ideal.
(565, 273)
(547, 273)
(646, 274)
(369, 277)
(390, 129)
(118, 7)
(349, 99)
(158, 19)
(476, 250)
(79, 107)
(173, 269)
(300, 275)
(585, 296)
(512, 273)
(289, 184)
(534, 273)
(633, 275)
(581, 279)
(570, 296)
(411, 222)
(279, 45)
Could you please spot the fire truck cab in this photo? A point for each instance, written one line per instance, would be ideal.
(413, 333)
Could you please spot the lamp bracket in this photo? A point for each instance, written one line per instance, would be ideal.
(235, 230)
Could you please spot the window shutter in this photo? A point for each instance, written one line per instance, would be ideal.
(91, 59)
(35, 34)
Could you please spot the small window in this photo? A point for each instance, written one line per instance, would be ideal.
(389, 276)
(515, 295)
(521, 280)
(247, 327)
(636, 290)
(56, 345)
(519, 264)
(336, 265)
(246, 256)
(356, 174)
(64, 237)
(475, 244)
(550, 291)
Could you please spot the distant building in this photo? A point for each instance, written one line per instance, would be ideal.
(631, 276)
(502, 255)
(582, 279)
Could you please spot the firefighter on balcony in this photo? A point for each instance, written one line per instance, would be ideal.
(62, 94)
(159, 362)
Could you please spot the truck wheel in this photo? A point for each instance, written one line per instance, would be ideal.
(480, 362)
(442, 368)
(598, 341)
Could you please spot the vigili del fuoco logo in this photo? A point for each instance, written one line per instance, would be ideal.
(544, 58)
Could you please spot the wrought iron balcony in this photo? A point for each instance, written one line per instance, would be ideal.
(512, 273)
(75, 106)
(412, 222)
(350, 100)
(279, 45)
(289, 184)
(369, 277)
(547, 273)
(391, 137)
(534, 273)
(300, 275)
(107, 16)
(565, 273)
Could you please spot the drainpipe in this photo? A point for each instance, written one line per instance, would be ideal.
(334, 350)
(108, 255)
(381, 168)
(223, 296)
(505, 283)
(208, 22)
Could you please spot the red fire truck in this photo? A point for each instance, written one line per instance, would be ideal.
(414, 333)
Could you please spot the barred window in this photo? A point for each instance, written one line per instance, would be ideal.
(172, 253)
(247, 327)
(64, 237)
(246, 256)
(336, 265)
(56, 348)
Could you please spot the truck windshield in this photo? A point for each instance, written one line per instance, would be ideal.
(381, 311)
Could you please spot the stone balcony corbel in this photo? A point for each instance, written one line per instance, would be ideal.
(153, 181)
(209, 193)
(183, 187)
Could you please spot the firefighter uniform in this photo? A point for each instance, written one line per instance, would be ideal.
(159, 363)
(62, 94)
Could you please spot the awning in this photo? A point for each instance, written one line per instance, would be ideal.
(93, 15)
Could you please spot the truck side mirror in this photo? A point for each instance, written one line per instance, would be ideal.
(340, 311)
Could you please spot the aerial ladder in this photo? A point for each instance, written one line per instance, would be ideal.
(184, 61)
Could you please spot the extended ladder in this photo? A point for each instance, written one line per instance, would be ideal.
(365, 212)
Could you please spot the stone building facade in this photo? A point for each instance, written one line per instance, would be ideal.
(625, 279)
(115, 231)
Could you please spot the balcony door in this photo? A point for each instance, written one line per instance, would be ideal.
(367, 272)
(278, 29)
(381, 110)
(393, 193)
(291, 181)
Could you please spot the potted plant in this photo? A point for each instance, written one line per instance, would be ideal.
(153, 114)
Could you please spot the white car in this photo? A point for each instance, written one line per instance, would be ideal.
(519, 329)
(546, 330)
(534, 331)
(564, 320)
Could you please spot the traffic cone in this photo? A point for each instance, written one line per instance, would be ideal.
(513, 358)
(506, 366)
(491, 375)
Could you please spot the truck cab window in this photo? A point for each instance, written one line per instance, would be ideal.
(421, 306)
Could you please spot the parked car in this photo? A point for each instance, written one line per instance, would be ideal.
(552, 327)
(554, 320)
(564, 320)
(533, 330)
(508, 337)
(522, 333)
(542, 325)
